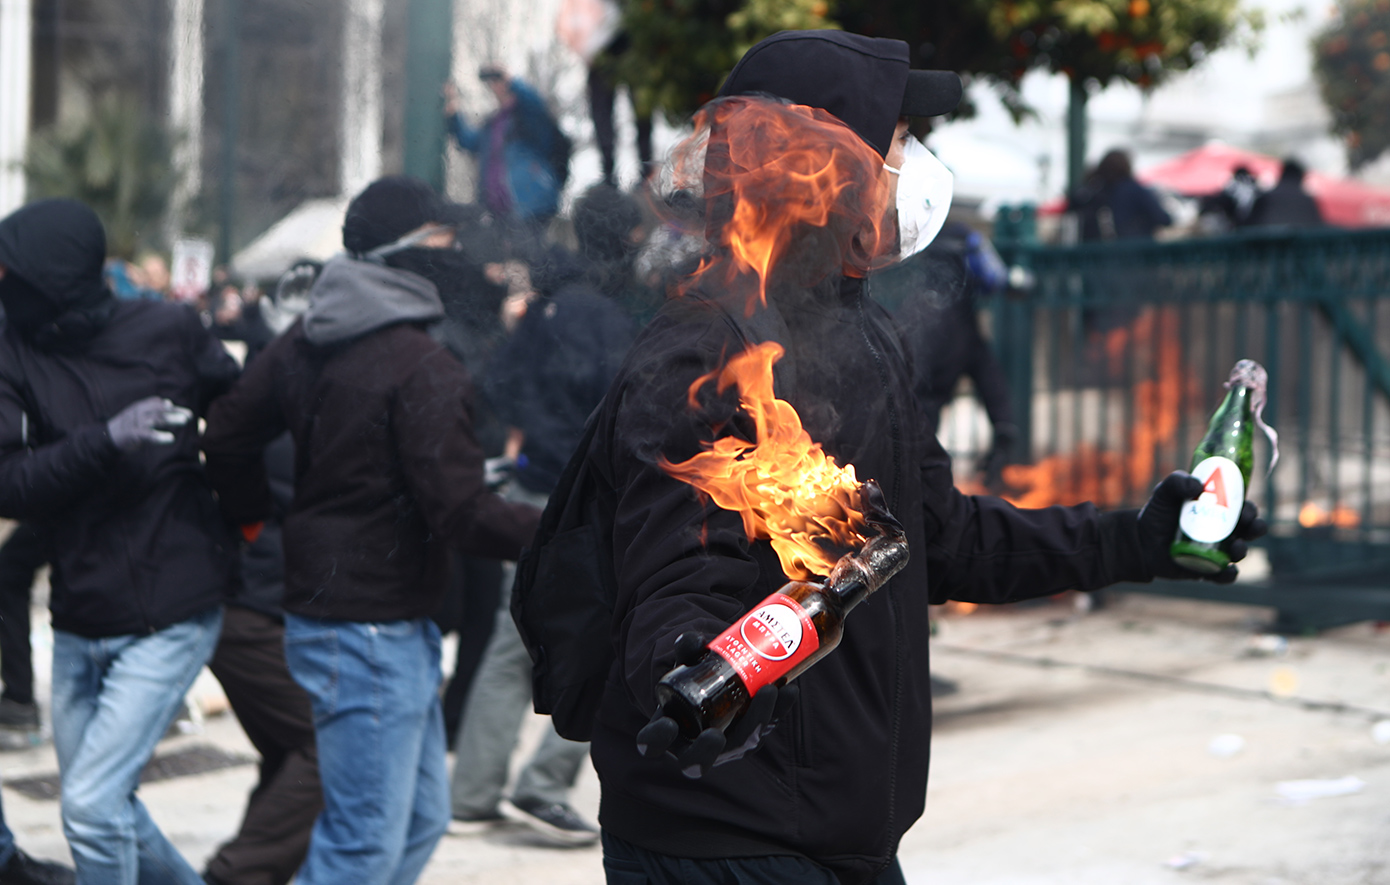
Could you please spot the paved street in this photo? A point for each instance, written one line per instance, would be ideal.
(1077, 751)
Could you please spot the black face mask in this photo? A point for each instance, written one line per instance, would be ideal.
(466, 292)
(50, 326)
(26, 307)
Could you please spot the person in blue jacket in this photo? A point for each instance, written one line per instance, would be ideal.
(522, 155)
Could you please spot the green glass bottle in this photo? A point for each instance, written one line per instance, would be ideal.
(1223, 462)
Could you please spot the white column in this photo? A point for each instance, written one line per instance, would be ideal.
(16, 35)
(186, 47)
(361, 116)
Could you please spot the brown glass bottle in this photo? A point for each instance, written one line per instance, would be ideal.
(712, 691)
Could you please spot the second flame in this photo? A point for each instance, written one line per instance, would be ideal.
(783, 485)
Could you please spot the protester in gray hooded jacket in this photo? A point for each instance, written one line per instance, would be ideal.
(387, 473)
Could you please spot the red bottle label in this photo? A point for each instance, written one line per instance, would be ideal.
(768, 642)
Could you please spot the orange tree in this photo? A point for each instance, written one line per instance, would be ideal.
(1351, 59)
(1098, 42)
(679, 51)
(1134, 41)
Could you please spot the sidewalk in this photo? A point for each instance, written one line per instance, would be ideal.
(1076, 752)
(1048, 774)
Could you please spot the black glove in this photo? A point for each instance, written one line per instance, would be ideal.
(1158, 526)
(140, 422)
(713, 747)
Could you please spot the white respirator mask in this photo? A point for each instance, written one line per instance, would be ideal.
(924, 197)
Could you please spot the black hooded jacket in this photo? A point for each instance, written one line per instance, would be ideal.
(387, 469)
(844, 774)
(548, 377)
(138, 542)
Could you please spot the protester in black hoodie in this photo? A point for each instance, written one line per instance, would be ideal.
(99, 450)
(843, 775)
(387, 474)
(545, 382)
(558, 363)
(472, 330)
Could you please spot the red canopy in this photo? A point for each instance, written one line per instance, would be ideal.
(1344, 202)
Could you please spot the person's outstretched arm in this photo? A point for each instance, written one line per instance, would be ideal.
(432, 426)
(984, 549)
(467, 137)
(211, 363)
(240, 424)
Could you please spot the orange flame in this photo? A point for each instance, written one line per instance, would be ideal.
(786, 188)
(791, 196)
(1108, 478)
(1310, 515)
(783, 485)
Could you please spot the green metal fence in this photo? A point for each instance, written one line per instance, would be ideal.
(1116, 356)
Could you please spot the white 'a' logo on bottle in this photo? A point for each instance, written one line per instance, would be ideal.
(1213, 515)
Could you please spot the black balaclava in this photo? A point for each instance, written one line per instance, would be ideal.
(53, 292)
(468, 295)
(604, 219)
(26, 307)
(391, 207)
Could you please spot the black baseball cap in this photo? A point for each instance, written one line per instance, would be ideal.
(863, 81)
(931, 93)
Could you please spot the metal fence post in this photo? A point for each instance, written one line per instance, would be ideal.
(429, 51)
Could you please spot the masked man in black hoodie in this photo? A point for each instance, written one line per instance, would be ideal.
(833, 787)
(99, 450)
(387, 473)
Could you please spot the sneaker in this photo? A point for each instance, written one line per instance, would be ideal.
(25, 870)
(19, 725)
(20, 717)
(942, 687)
(556, 822)
(472, 826)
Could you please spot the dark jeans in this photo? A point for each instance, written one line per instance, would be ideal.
(23, 554)
(626, 864)
(277, 717)
(601, 95)
(470, 608)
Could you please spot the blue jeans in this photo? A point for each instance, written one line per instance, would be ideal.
(113, 699)
(380, 731)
